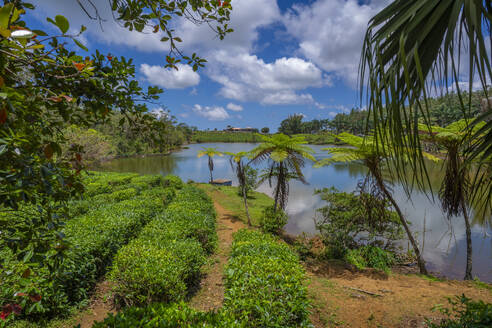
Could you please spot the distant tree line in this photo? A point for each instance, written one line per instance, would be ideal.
(160, 134)
(443, 111)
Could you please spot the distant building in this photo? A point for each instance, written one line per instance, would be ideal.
(246, 129)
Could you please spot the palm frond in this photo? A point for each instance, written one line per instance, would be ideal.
(412, 50)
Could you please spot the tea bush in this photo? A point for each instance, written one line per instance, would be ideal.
(149, 270)
(150, 180)
(178, 315)
(264, 283)
(165, 259)
(172, 181)
(273, 220)
(104, 221)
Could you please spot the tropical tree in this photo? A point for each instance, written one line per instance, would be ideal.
(292, 125)
(265, 130)
(210, 152)
(417, 48)
(240, 168)
(366, 151)
(455, 187)
(286, 156)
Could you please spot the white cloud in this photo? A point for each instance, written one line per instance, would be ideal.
(107, 31)
(331, 33)
(212, 113)
(247, 17)
(170, 78)
(246, 77)
(160, 112)
(234, 107)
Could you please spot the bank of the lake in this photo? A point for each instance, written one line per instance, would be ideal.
(443, 241)
(252, 137)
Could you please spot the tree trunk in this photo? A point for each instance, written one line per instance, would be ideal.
(211, 168)
(469, 251)
(245, 197)
(277, 188)
(420, 261)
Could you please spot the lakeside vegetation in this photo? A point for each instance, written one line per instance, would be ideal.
(64, 231)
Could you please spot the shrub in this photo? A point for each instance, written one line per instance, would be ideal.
(264, 283)
(146, 271)
(178, 315)
(370, 256)
(104, 223)
(464, 313)
(273, 220)
(149, 180)
(352, 220)
(166, 258)
(96, 188)
(172, 181)
(165, 194)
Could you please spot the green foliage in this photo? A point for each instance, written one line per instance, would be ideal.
(250, 180)
(96, 146)
(47, 87)
(178, 315)
(173, 180)
(286, 157)
(165, 259)
(464, 313)
(273, 220)
(347, 223)
(158, 135)
(223, 136)
(355, 122)
(149, 270)
(265, 130)
(210, 153)
(370, 256)
(105, 223)
(229, 199)
(264, 283)
(292, 125)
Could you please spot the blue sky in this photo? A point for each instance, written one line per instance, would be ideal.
(284, 57)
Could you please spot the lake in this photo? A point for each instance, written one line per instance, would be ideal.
(443, 241)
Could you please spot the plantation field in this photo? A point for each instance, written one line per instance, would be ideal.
(114, 231)
(148, 239)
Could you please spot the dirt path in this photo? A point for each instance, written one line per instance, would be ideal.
(211, 292)
(405, 301)
(101, 305)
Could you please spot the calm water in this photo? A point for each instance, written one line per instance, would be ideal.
(444, 242)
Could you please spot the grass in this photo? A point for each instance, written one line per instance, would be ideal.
(430, 277)
(228, 198)
(482, 285)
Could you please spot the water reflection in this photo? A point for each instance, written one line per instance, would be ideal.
(443, 241)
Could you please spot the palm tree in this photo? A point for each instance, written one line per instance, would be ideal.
(455, 187)
(366, 150)
(286, 156)
(240, 168)
(416, 48)
(210, 152)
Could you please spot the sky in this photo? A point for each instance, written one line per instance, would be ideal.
(284, 57)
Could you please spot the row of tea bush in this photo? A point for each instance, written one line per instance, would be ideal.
(165, 260)
(111, 213)
(264, 288)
